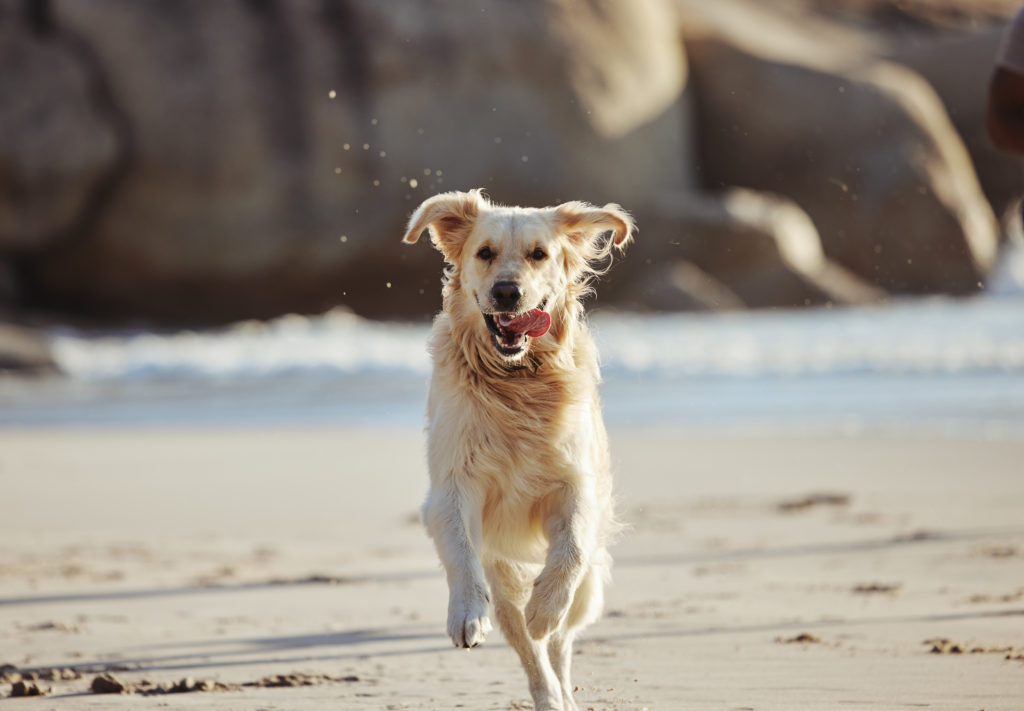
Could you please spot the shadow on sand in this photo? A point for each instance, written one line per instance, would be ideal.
(430, 638)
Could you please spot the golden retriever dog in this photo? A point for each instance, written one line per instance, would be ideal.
(520, 502)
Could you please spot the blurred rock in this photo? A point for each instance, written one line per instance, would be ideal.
(58, 144)
(9, 673)
(868, 153)
(959, 69)
(107, 684)
(9, 290)
(25, 352)
(276, 148)
(192, 163)
(735, 250)
(21, 688)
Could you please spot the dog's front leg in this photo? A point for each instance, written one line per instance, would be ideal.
(455, 527)
(566, 526)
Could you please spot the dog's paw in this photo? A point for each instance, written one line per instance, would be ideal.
(546, 608)
(468, 623)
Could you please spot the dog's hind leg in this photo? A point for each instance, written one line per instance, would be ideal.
(560, 653)
(586, 606)
(511, 585)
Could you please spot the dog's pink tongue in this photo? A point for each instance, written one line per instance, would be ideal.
(533, 323)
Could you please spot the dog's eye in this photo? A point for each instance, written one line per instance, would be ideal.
(538, 254)
(485, 254)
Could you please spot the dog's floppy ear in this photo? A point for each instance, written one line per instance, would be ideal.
(584, 224)
(449, 217)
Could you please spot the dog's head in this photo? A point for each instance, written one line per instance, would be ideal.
(514, 270)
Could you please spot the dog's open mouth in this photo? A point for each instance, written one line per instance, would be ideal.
(512, 331)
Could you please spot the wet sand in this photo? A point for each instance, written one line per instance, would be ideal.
(245, 568)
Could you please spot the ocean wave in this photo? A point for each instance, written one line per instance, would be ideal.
(335, 343)
(918, 336)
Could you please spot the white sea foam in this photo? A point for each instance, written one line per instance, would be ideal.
(337, 342)
(933, 363)
(927, 336)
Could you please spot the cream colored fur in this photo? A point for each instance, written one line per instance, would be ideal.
(520, 502)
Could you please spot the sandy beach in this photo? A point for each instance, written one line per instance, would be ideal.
(286, 569)
(215, 350)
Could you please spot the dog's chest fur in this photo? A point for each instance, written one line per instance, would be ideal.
(510, 441)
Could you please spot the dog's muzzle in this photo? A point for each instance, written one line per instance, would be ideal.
(513, 331)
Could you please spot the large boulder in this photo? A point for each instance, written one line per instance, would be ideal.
(59, 144)
(867, 151)
(960, 68)
(731, 250)
(274, 149)
(24, 352)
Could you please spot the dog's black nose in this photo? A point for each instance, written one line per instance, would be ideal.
(506, 295)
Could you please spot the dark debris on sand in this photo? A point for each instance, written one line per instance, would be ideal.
(25, 682)
(876, 588)
(802, 638)
(942, 645)
(811, 501)
(285, 680)
(26, 688)
(109, 684)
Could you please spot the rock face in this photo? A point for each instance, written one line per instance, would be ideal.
(59, 146)
(197, 162)
(24, 352)
(868, 153)
(734, 250)
(265, 154)
(959, 69)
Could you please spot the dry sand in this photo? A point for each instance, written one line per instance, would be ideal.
(761, 572)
